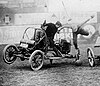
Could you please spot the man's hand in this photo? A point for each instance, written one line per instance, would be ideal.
(74, 28)
(92, 16)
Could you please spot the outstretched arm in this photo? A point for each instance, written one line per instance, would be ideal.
(86, 21)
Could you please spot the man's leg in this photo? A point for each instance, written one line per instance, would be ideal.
(75, 44)
(54, 47)
(82, 31)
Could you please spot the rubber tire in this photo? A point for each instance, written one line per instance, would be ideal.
(32, 57)
(4, 54)
(90, 56)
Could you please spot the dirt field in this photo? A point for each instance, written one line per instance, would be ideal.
(61, 73)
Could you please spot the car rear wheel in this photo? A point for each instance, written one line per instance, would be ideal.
(90, 56)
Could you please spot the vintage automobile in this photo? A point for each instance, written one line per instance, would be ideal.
(93, 52)
(36, 50)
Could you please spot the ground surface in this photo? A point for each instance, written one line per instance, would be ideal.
(61, 73)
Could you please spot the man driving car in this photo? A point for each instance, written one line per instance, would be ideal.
(51, 29)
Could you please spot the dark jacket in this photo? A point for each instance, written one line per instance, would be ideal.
(51, 30)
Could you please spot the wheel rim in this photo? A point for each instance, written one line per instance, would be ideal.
(37, 61)
(9, 54)
(90, 57)
(91, 61)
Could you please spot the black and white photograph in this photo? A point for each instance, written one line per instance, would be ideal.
(49, 42)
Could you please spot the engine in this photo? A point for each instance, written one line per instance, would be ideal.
(64, 46)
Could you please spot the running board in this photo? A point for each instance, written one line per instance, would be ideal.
(21, 56)
(64, 56)
(54, 57)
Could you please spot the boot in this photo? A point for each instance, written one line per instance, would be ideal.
(77, 54)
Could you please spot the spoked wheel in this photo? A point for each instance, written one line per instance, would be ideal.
(8, 54)
(36, 60)
(90, 55)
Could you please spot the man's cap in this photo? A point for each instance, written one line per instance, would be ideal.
(58, 23)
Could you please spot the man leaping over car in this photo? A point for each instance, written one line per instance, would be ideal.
(77, 29)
